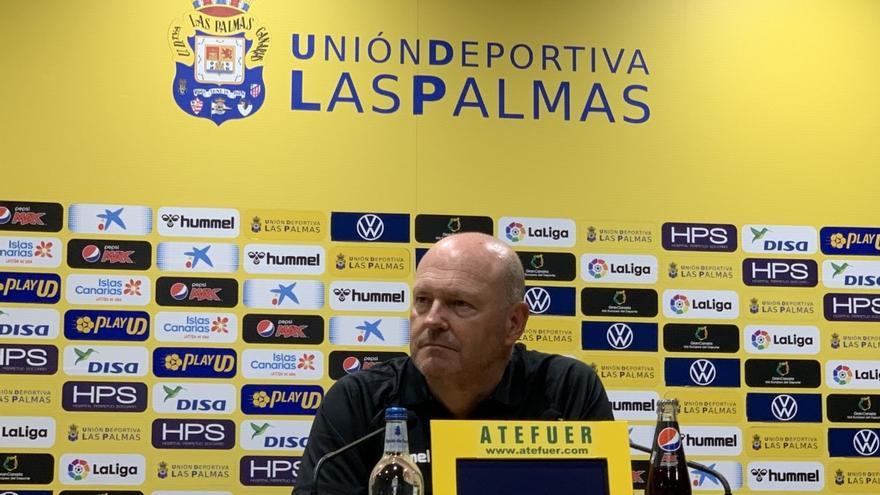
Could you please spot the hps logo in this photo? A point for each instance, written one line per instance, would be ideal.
(699, 237)
(104, 397)
(778, 272)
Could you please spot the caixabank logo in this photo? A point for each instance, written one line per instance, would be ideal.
(30, 324)
(283, 294)
(283, 329)
(302, 400)
(29, 216)
(863, 241)
(197, 257)
(369, 227)
(26, 359)
(110, 219)
(786, 476)
(619, 268)
(177, 221)
(112, 397)
(105, 360)
(432, 228)
(197, 292)
(618, 336)
(30, 252)
(39, 288)
(218, 50)
(101, 254)
(102, 469)
(700, 304)
(616, 302)
(278, 435)
(194, 398)
(201, 434)
(89, 324)
(203, 328)
(191, 362)
(794, 408)
(385, 331)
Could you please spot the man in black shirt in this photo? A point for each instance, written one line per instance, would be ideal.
(465, 363)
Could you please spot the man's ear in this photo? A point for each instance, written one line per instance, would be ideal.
(517, 317)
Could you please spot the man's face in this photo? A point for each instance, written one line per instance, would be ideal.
(461, 316)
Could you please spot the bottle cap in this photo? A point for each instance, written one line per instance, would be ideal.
(395, 414)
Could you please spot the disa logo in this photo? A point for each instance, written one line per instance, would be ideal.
(218, 50)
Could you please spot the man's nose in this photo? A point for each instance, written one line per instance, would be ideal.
(436, 315)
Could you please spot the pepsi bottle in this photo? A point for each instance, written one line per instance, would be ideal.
(668, 473)
(396, 473)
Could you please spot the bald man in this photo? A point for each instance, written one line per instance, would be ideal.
(465, 362)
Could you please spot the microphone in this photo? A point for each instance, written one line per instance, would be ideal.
(379, 418)
(695, 465)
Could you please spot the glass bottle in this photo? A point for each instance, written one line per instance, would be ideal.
(396, 473)
(668, 472)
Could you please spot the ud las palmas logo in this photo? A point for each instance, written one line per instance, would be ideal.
(219, 49)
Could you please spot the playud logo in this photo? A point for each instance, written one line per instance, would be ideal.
(370, 227)
(866, 442)
(784, 407)
(619, 336)
(702, 372)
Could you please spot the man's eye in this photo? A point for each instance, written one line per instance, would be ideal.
(461, 304)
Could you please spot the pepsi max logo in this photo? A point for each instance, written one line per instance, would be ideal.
(669, 439)
(109, 254)
(30, 216)
(283, 329)
(344, 363)
(201, 292)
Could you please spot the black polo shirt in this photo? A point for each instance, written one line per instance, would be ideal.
(534, 386)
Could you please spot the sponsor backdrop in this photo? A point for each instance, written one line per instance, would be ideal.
(210, 211)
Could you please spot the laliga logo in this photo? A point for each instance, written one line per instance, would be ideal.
(597, 268)
(761, 340)
(702, 372)
(78, 469)
(515, 231)
(370, 227)
(218, 50)
(842, 375)
(619, 336)
(679, 304)
(866, 442)
(538, 300)
(784, 407)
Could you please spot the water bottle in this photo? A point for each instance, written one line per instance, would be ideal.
(396, 473)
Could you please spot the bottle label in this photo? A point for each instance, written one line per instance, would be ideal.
(395, 439)
(395, 487)
(669, 439)
(669, 460)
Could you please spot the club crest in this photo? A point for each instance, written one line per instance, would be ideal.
(219, 49)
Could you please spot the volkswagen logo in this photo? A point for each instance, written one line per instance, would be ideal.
(784, 407)
(866, 442)
(370, 227)
(619, 336)
(702, 372)
(538, 299)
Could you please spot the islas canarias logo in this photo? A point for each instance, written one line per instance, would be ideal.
(219, 49)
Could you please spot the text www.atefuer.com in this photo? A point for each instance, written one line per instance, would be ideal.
(535, 450)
